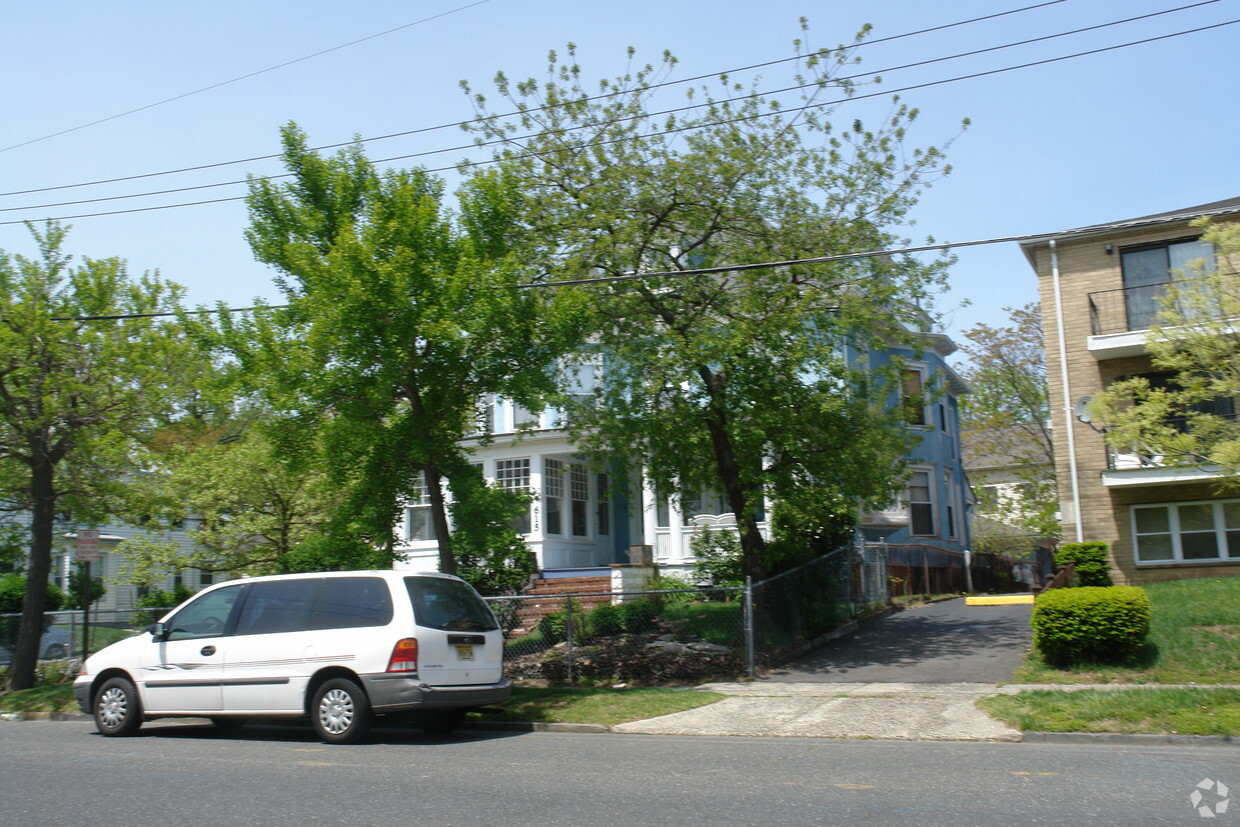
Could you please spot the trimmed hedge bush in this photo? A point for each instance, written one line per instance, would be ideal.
(1093, 562)
(1091, 623)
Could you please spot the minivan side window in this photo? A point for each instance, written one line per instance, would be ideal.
(351, 602)
(277, 606)
(205, 617)
(450, 605)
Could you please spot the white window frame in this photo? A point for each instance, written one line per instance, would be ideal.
(420, 503)
(932, 502)
(553, 496)
(922, 371)
(579, 500)
(1218, 511)
(514, 475)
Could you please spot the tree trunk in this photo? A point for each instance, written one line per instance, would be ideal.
(753, 545)
(439, 516)
(42, 525)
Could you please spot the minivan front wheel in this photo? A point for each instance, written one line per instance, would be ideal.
(118, 712)
(340, 712)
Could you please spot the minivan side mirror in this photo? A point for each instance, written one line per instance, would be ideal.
(159, 631)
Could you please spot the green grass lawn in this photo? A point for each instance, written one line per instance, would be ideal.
(562, 705)
(1194, 711)
(1194, 639)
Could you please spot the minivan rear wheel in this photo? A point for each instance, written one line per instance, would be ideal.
(340, 712)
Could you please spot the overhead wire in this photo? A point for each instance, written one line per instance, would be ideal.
(701, 271)
(244, 77)
(654, 114)
(882, 93)
(458, 124)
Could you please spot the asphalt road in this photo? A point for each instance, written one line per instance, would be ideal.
(189, 774)
(945, 642)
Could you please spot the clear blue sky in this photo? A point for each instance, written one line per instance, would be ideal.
(1105, 137)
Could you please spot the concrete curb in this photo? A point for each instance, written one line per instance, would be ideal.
(1130, 739)
(1099, 738)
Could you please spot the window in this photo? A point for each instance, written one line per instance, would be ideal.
(553, 495)
(951, 503)
(449, 605)
(604, 505)
(514, 475)
(1186, 532)
(913, 395)
(920, 504)
(419, 527)
(350, 603)
(205, 617)
(1146, 271)
(579, 489)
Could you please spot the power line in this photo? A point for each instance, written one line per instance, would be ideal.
(245, 76)
(793, 110)
(676, 110)
(701, 271)
(458, 124)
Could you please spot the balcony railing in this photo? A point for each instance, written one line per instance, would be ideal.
(1125, 309)
(1136, 457)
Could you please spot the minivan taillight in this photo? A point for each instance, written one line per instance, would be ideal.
(404, 656)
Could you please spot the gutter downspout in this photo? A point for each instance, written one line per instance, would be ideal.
(1067, 395)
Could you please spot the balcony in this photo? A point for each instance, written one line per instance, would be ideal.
(1119, 319)
(1133, 468)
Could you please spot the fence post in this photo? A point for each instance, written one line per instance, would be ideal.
(751, 661)
(568, 632)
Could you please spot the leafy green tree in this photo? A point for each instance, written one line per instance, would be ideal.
(1191, 419)
(76, 598)
(711, 376)
(400, 316)
(250, 507)
(85, 375)
(490, 555)
(1005, 429)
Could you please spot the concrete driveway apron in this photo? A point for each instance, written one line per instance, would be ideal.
(913, 675)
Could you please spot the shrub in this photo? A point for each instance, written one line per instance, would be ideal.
(674, 582)
(1097, 623)
(1092, 560)
(718, 555)
(605, 620)
(636, 616)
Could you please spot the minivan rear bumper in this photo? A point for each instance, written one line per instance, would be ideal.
(396, 693)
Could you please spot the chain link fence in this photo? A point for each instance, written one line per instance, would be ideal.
(65, 633)
(629, 637)
(659, 637)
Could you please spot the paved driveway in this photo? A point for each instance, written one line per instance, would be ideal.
(946, 642)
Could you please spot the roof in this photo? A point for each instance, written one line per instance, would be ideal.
(1229, 206)
(1003, 447)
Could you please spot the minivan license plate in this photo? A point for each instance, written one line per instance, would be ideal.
(464, 651)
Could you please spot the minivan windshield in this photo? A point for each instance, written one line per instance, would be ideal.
(450, 605)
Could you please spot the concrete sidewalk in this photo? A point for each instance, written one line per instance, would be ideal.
(902, 711)
(893, 711)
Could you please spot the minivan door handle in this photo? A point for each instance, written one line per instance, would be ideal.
(456, 640)
(207, 651)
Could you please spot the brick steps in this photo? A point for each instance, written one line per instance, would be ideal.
(532, 610)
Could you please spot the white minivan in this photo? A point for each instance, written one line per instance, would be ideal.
(338, 647)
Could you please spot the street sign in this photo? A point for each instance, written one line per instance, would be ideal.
(87, 545)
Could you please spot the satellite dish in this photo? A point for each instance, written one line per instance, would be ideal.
(1082, 409)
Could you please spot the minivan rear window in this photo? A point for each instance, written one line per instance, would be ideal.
(450, 605)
